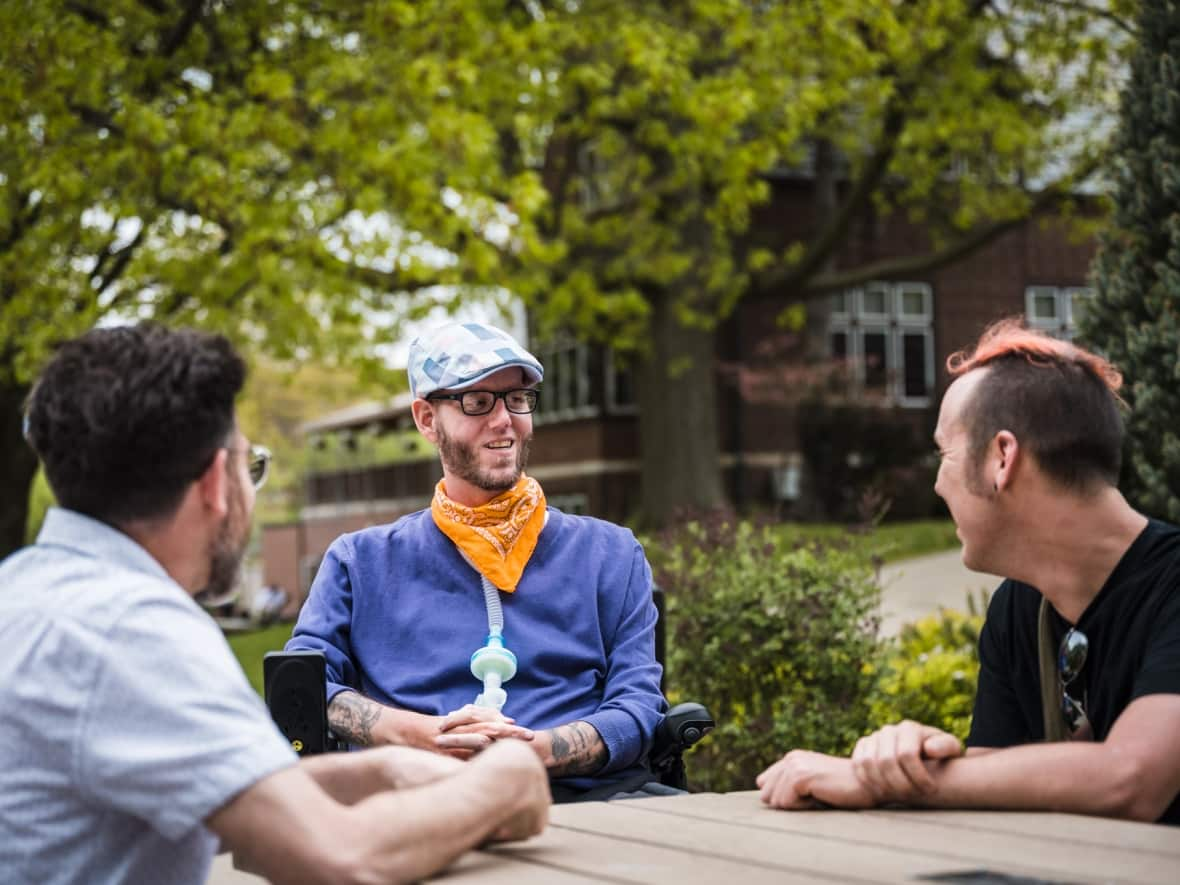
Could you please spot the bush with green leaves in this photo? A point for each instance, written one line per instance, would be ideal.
(930, 671)
(778, 639)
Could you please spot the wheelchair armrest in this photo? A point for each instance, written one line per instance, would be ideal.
(683, 726)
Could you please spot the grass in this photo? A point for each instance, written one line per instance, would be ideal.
(250, 648)
(891, 540)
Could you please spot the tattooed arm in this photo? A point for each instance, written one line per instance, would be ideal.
(366, 723)
(570, 750)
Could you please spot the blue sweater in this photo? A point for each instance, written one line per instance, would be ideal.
(398, 611)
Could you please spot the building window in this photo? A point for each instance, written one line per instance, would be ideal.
(1055, 310)
(885, 333)
(620, 387)
(567, 392)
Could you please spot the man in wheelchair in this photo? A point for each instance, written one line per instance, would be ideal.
(489, 615)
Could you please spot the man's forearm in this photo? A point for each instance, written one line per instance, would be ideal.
(350, 777)
(1084, 778)
(573, 749)
(352, 717)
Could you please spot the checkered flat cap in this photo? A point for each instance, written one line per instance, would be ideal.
(458, 355)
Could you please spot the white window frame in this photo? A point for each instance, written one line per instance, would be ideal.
(613, 406)
(568, 364)
(1064, 325)
(895, 326)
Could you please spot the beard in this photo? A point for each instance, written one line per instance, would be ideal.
(227, 549)
(463, 461)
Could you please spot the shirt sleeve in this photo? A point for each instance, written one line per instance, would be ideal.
(1160, 671)
(172, 730)
(997, 720)
(325, 621)
(632, 704)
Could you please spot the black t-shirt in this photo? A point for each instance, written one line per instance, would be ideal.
(1133, 628)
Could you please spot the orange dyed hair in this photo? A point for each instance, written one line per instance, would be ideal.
(1060, 401)
(1008, 337)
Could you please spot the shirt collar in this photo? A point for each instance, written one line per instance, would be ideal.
(90, 537)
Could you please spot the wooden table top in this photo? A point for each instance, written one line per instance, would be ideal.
(732, 838)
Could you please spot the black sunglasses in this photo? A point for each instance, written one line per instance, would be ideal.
(1071, 657)
(520, 401)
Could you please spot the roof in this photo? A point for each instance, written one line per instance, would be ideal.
(361, 414)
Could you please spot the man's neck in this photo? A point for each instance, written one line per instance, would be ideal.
(181, 556)
(1068, 546)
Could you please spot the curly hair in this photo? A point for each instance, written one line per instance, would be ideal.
(125, 418)
(1059, 400)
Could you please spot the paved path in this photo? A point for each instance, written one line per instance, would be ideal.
(914, 588)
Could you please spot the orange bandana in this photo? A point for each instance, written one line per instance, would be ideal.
(499, 536)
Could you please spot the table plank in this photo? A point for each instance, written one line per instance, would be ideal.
(565, 851)
(882, 844)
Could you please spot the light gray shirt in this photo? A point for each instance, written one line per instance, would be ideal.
(125, 720)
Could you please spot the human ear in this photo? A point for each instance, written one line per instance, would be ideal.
(213, 484)
(425, 419)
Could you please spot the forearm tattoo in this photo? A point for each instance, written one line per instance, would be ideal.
(352, 717)
(577, 749)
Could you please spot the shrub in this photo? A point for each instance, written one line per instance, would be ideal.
(930, 672)
(778, 639)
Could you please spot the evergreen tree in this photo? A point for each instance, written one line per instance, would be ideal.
(1135, 316)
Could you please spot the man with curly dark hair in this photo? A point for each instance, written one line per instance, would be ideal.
(130, 740)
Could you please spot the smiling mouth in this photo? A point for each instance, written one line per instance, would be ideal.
(501, 446)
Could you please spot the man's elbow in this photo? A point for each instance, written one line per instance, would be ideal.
(1136, 792)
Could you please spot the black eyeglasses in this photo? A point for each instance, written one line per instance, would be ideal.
(257, 463)
(520, 401)
(1071, 657)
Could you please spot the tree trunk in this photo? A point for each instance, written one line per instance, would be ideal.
(678, 434)
(18, 466)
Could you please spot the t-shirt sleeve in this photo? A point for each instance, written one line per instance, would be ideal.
(997, 720)
(1160, 670)
(172, 730)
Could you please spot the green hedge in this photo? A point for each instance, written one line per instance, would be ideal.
(778, 639)
(778, 636)
(930, 671)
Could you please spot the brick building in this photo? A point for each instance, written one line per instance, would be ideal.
(799, 456)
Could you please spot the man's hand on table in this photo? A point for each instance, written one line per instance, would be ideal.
(803, 779)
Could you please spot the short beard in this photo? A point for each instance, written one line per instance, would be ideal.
(463, 462)
(227, 549)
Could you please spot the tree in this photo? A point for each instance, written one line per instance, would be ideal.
(1134, 318)
(228, 165)
(296, 172)
(657, 122)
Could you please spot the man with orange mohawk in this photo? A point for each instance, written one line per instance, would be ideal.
(1081, 645)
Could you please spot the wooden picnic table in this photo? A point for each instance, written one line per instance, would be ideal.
(733, 839)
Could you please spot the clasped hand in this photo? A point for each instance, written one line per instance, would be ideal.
(470, 729)
(893, 764)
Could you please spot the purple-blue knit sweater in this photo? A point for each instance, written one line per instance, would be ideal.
(398, 611)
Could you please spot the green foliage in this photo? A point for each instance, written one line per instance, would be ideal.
(1134, 318)
(884, 542)
(40, 500)
(779, 639)
(303, 175)
(250, 648)
(930, 671)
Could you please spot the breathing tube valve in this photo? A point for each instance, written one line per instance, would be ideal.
(493, 665)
